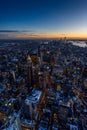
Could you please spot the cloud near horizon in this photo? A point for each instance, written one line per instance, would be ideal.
(17, 34)
(15, 31)
(25, 34)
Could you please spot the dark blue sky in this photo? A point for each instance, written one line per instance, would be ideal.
(31, 17)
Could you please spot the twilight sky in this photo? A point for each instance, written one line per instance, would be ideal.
(43, 18)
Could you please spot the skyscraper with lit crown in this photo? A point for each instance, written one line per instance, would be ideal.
(30, 75)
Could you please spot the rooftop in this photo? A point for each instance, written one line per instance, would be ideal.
(34, 98)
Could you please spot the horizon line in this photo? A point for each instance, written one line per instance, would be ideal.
(60, 38)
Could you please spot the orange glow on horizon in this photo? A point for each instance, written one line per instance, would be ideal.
(48, 35)
(53, 36)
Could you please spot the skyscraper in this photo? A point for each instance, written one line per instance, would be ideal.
(17, 124)
(30, 75)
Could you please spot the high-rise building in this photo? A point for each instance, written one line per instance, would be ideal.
(30, 74)
(17, 124)
(41, 54)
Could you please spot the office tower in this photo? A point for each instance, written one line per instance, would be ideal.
(30, 75)
(17, 123)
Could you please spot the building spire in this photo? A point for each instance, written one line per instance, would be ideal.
(29, 58)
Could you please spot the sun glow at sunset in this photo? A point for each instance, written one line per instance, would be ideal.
(48, 35)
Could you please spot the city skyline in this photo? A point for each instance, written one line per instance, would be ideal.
(25, 19)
